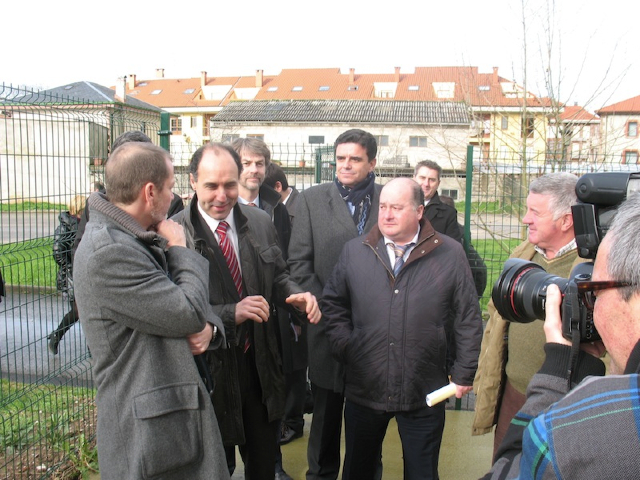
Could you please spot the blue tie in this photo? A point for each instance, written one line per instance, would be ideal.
(399, 252)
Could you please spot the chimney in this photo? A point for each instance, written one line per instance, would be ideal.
(121, 90)
(352, 74)
(131, 81)
(203, 79)
(259, 78)
(495, 75)
(159, 72)
(397, 69)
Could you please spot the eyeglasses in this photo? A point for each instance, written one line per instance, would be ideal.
(586, 290)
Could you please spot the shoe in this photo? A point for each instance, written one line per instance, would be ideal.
(287, 434)
(53, 344)
(281, 474)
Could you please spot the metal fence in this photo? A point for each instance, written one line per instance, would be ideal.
(52, 150)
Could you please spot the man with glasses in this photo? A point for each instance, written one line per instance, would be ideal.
(512, 353)
(591, 432)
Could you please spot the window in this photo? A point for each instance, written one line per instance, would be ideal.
(176, 126)
(450, 193)
(632, 129)
(352, 87)
(386, 94)
(229, 137)
(272, 89)
(297, 88)
(316, 138)
(259, 136)
(504, 122)
(382, 140)
(194, 122)
(417, 141)
(189, 90)
(324, 88)
(156, 92)
(484, 88)
(414, 88)
(527, 127)
(630, 157)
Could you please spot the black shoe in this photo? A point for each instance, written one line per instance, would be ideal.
(281, 474)
(53, 344)
(287, 434)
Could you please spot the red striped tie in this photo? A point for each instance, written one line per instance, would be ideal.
(230, 256)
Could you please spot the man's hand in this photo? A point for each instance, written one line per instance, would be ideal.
(254, 308)
(172, 231)
(306, 302)
(199, 342)
(553, 319)
(461, 390)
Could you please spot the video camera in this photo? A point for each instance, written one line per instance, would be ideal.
(520, 292)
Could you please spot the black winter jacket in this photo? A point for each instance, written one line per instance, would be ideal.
(264, 272)
(389, 332)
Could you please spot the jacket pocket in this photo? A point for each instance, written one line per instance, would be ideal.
(168, 433)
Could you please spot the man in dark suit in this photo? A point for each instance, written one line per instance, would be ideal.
(247, 275)
(443, 217)
(277, 180)
(327, 216)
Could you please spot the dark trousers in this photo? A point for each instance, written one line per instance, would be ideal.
(296, 388)
(66, 323)
(420, 433)
(259, 451)
(323, 450)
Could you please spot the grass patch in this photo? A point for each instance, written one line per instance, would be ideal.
(29, 263)
(30, 206)
(45, 426)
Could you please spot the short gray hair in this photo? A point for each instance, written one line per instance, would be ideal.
(561, 187)
(624, 253)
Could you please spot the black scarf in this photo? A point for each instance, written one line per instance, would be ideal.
(360, 197)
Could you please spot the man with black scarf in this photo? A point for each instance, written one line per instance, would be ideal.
(327, 216)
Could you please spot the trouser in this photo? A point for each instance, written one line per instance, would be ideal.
(66, 323)
(296, 388)
(510, 404)
(420, 433)
(323, 450)
(259, 451)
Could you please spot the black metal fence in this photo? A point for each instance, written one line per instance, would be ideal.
(53, 150)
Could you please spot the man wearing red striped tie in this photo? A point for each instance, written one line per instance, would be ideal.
(246, 275)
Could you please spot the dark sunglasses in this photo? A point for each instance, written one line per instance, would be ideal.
(586, 290)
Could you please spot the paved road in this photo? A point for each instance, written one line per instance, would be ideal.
(21, 226)
(26, 318)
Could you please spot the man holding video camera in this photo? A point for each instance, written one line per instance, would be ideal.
(593, 431)
(512, 353)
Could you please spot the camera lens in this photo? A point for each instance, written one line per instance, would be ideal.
(520, 292)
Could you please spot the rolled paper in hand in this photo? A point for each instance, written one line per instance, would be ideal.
(441, 394)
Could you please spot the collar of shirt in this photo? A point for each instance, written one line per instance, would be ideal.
(569, 247)
(232, 233)
(246, 202)
(391, 253)
(288, 196)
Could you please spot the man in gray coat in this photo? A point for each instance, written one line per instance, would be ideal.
(143, 303)
(327, 216)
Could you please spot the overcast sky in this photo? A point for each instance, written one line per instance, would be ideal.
(593, 60)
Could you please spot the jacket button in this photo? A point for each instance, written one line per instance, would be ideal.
(396, 291)
(391, 344)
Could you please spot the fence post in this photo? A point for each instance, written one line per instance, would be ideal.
(467, 203)
(165, 130)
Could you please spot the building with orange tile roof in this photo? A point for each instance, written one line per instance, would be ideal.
(619, 130)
